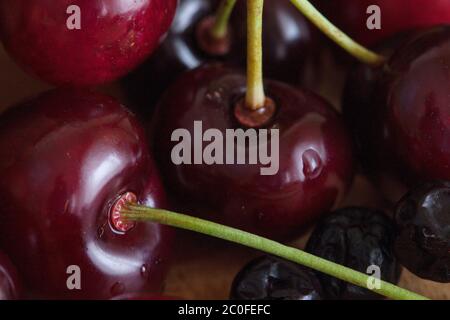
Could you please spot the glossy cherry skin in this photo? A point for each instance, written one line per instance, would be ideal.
(423, 222)
(403, 122)
(396, 16)
(65, 157)
(115, 37)
(290, 44)
(315, 157)
(9, 282)
(357, 238)
(364, 119)
(272, 278)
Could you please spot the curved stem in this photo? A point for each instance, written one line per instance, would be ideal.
(335, 34)
(220, 28)
(255, 97)
(141, 213)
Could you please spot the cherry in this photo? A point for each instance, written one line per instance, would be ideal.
(271, 278)
(115, 36)
(423, 243)
(67, 160)
(9, 283)
(359, 238)
(315, 158)
(396, 16)
(364, 119)
(290, 43)
(403, 111)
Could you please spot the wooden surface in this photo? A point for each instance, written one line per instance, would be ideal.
(204, 268)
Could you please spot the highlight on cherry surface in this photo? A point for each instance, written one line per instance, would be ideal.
(133, 212)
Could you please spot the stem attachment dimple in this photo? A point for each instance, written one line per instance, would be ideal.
(356, 50)
(216, 47)
(140, 213)
(257, 118)
(213, 32)
(116, 221)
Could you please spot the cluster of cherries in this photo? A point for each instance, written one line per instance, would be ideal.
(71, 159)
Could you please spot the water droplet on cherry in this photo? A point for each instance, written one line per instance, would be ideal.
(100, 232)
(215, 95)
(260, 216)
(312, 164)
(158, 261)
(144, 271)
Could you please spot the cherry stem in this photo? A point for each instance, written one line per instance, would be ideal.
(141, 213)
(255, 97)
(222, 18)
(348, 44)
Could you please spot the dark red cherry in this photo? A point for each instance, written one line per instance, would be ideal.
(423, 221)
(271, 278)
(315, 158)
(67, 160)
(403, 112)
(9, 282)
(114, 36)
(290, 43)
(364, 119)
(396, 16)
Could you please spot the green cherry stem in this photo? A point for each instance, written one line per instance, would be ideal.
(255, 97)
(222, 18)
(142, 213)
(348, 44)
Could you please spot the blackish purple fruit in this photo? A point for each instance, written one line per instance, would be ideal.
(358, 238)
(423, 222)
(271, 278)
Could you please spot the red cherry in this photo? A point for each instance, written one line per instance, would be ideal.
(65, 159)
(315, 158)
(9, 283)
(115, 37)
(396, 16)
(403, 116)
